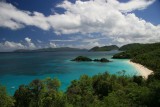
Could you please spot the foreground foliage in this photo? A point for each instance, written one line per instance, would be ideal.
(102, 90)
(5, 100)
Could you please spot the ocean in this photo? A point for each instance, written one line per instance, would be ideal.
(21, 68)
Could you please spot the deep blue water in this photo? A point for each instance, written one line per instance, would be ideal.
(22, 68)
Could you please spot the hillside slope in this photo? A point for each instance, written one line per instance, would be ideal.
(145, 54)
(104, 48)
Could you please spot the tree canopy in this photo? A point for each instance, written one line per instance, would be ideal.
(102, 90)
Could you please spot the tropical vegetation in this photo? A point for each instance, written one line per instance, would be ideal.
(145, 54)
(102, 90)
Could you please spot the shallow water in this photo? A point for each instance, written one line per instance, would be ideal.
(22, 68)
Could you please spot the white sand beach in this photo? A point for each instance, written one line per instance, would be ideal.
(143, 71)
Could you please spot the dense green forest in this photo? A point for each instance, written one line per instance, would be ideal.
(105, 48)
(150, 60)
(131, 46)
(132, 50)
(145, 54)
(102, 90)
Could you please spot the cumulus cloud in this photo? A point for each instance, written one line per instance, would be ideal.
(131, 6)
(10, 46)
(110, 18)
(52, 45)
(29, 43)
(28, 40)
(13, 18)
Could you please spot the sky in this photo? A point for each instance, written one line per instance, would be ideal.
(33, 24)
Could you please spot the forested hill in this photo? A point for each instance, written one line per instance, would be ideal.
(131, 46)
(104, 48)
(138, 46)
(145, 54)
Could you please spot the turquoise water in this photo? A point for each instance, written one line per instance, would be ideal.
(22, 68)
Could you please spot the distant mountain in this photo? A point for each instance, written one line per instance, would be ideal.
(104, 48)
(51, 49)
(22, 50)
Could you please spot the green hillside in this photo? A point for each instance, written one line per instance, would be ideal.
(150, 60)
(104, 48)
(145, 54)
(131, 46)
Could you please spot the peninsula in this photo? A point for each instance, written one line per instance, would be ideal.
(145, 57)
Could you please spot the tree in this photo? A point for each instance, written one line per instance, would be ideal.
(23, 96)
(5, 100)
(52, 84)
(138, 79)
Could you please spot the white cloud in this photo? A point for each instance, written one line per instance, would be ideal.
(28, 40)
(29, 43)
(92, 44)
(10, 46)
(52, 45)
(132, 5)
(39, 41)
(111, 19)
(13, 18)
(90, 40)
(62, 40)
(108, 19)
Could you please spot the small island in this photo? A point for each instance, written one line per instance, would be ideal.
(101, 60)
(83, 58)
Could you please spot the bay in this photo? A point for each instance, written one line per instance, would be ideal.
(22, 68)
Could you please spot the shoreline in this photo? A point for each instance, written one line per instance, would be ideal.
(142, 70)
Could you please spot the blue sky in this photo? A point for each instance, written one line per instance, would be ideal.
(32, 24)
